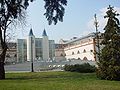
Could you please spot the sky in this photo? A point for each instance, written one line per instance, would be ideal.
(78, 19)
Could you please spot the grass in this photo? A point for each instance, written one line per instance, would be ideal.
(56, 81)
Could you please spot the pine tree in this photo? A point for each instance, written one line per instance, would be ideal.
(109, 63)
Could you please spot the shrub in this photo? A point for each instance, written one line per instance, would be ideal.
(82, 68)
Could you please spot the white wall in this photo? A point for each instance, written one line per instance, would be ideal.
(45, 46)
(87, 46)
(30, 45)
(58, 53)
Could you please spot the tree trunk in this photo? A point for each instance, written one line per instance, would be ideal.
(2, 59)
(2, 70)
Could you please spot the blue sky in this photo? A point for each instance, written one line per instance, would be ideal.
(78, 20)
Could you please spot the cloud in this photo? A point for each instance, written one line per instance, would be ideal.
(101, 20)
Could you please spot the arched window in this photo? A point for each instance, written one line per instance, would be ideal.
(61, 54)
(15, 55)
(72, 53)
(78, 52)
(85, 58)
(7, 55)
(65, 54)
(84, 51)
(91, 50)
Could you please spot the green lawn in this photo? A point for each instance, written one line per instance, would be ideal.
(56, 81)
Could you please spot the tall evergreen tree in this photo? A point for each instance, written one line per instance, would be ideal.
(109, 63)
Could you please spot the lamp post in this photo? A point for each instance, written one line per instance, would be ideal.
(32, 70)
(97, 37)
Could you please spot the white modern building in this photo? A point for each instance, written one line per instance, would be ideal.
(30, 46)
(45, 44)
(34, 48)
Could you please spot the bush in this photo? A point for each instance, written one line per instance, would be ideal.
(82, 68)
(108, 72)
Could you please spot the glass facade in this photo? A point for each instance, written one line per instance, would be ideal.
(21, 50)
(38, 48)
(51, 49)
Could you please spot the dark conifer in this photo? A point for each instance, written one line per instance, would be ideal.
(109, 63)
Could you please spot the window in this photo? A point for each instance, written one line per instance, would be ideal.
(72, 53)
(78, 52)
(84, 51)
(61, 54)
(91, 50)
(8, 55)
(15, 55)
(85, 58)
(65, 54)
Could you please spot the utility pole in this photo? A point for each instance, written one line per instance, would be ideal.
(32, 70)
(97, 37)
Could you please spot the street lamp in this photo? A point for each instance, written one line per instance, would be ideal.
(97, 37)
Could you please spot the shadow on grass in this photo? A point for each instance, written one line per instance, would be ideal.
(43, 77)
(38, 76)
(19, 78)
